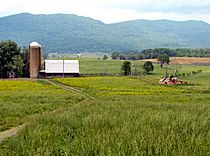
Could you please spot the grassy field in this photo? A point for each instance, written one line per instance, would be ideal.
(93, 65)
(21, 99)
(99, 66)
(128, 115)
(185, 60)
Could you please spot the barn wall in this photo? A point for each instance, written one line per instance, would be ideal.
(61, 66)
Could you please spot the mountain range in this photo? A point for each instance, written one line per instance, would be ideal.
(71, 33)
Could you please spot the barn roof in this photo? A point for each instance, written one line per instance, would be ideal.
(61, 61)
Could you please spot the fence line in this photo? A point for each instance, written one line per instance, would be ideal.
(101, 74)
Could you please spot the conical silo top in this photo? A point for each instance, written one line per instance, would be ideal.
(35, 44)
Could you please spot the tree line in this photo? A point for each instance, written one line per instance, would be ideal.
(148, 67)
(13, 59)
(154, 53)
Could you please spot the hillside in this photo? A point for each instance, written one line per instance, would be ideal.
(70, 33)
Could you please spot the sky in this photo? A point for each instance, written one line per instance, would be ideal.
(112, 11)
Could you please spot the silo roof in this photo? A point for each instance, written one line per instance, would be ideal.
(35, 44)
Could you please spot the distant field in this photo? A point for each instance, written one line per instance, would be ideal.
(89, 64)
(184, 60)
(126, 116)
(94, 66)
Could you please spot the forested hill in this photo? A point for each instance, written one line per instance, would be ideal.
(71, 33)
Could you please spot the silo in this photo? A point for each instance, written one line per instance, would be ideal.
(34, 59)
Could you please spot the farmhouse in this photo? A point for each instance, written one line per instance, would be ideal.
(52, 68)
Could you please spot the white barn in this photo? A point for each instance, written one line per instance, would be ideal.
(55, 68)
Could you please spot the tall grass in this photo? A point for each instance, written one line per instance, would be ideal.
(21, 99)
(173, 120)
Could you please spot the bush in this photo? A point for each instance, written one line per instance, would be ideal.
(105, 57)
(193, 72)
(126, 68)
(148, 67)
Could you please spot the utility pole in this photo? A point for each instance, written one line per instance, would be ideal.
(131, 69)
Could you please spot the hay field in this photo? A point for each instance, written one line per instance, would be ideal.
(129, 116)
(184, 60)
(22, 99)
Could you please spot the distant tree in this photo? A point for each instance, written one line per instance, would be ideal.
(8, 51)
(148, 67)
(115, 55)
(122, 57)
(131, 57)
(126, 68)
(139, 57)
(105, 57)
(163, 58)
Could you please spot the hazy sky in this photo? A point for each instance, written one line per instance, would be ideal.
(110, 11)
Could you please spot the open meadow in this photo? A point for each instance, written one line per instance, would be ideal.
(21, 99)
(94, 66)
(185, 60)
(121, 115)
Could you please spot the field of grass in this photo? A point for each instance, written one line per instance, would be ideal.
(129, 116)
(91, 65)
(184, 60)
(21, 99)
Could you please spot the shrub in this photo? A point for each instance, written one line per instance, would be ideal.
(126, 68)
(148, 67)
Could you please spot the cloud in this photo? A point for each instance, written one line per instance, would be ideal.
(113, 10)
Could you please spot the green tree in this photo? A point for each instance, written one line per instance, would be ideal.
(17, 65)
(163, 58)
(115, 55)
(8, 51)
(25, 58)
(126, 68)
(105, 57)
(148, 67)
(139, 57)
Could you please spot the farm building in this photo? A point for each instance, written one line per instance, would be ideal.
(52, 68)
(60, 68)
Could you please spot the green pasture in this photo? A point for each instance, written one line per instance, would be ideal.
(131, 115)
(90, 64)
(93, 65)
(21, 99)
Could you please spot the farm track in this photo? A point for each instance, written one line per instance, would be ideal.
(13, 131)
(74, 90)
(9, 133)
